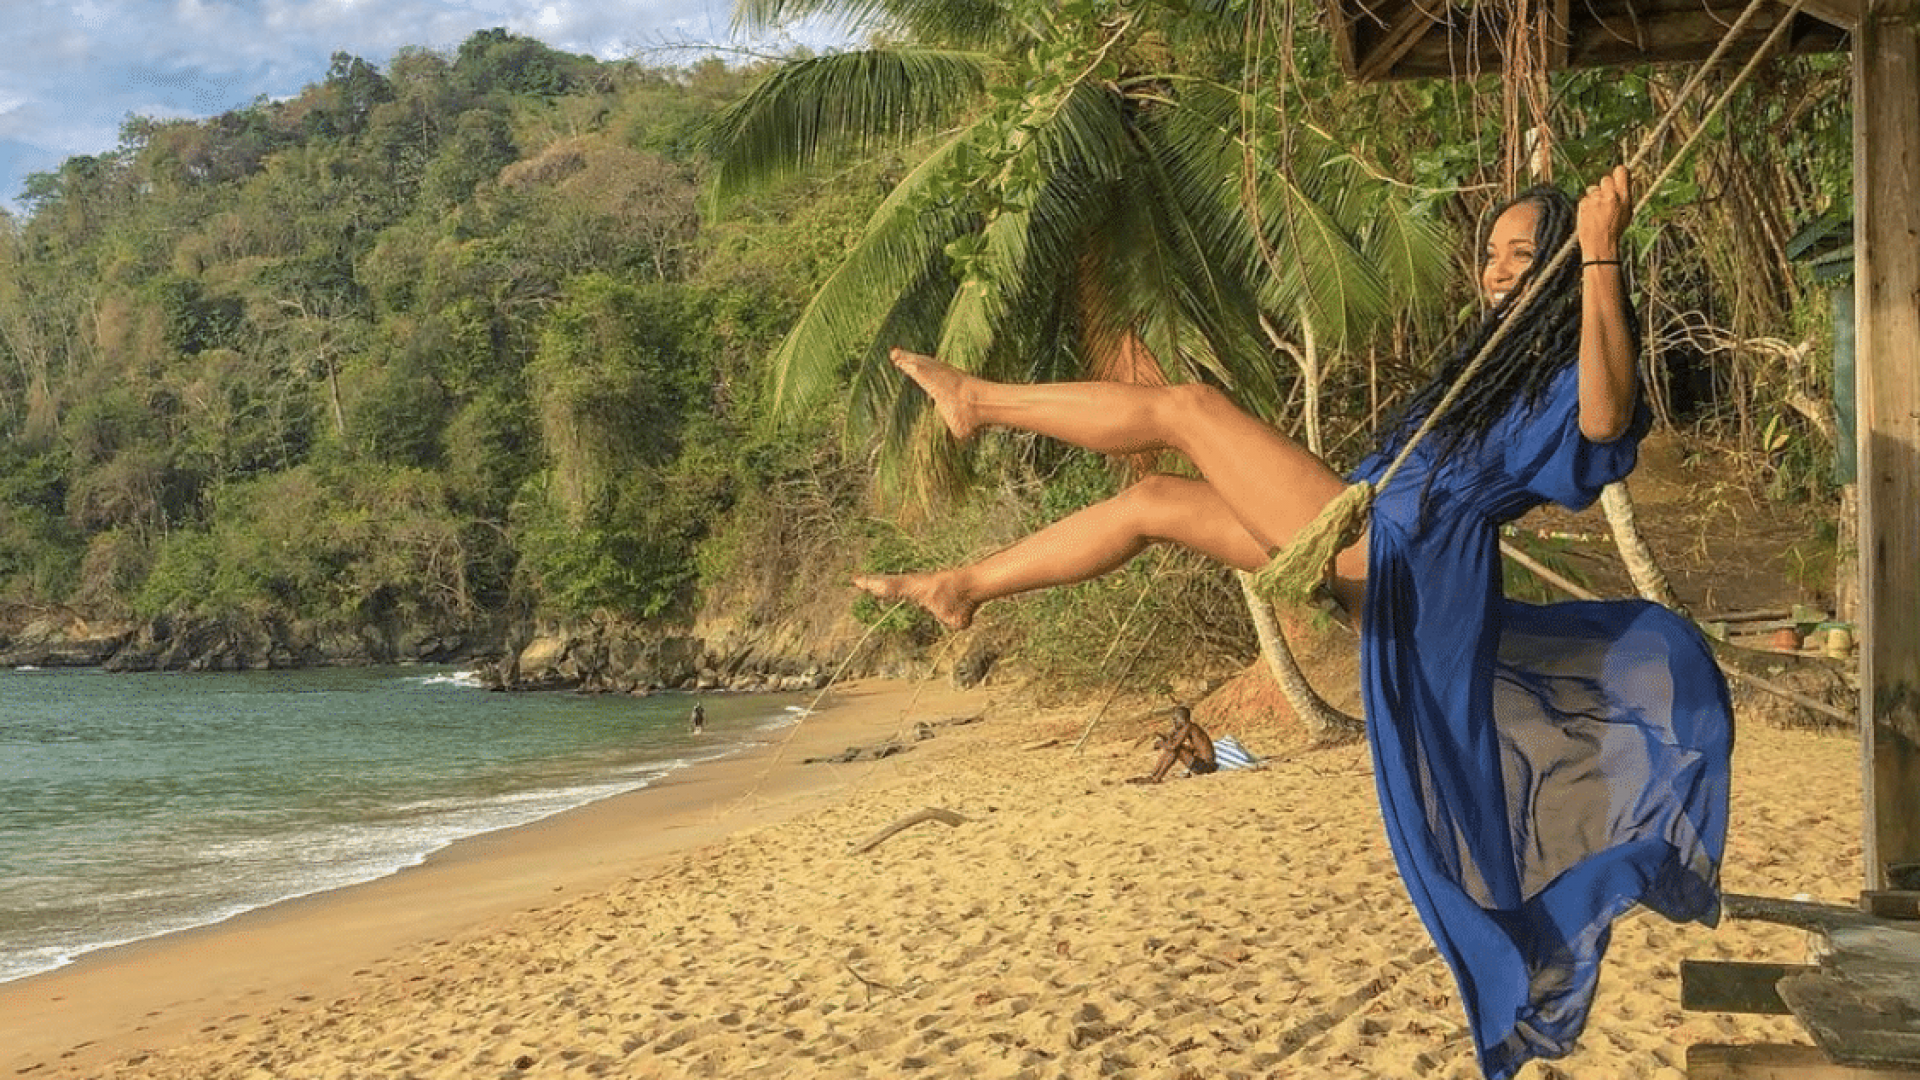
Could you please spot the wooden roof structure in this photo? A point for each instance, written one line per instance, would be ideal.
(1453, 39)
(1405, 39)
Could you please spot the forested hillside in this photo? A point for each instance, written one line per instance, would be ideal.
(434, 353)
(419, 344)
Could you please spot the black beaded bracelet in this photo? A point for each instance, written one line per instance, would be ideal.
(1601, 262)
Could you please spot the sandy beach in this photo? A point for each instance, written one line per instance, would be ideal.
(1245, 924)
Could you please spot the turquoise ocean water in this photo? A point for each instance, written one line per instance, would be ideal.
(136, 805)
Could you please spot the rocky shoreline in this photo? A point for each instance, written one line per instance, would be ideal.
(588, 656)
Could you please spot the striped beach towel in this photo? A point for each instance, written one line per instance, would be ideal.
(1229, 754)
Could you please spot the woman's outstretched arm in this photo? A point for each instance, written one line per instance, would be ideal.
(1608, 368)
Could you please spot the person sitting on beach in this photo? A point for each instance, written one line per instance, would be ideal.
(1185, 742)
(1541, 769)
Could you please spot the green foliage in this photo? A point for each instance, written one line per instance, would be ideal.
(1087, 188)
(480, 145)
(787, 532)
(39, 559)
(613, 373)
(1550, 552)
(191, 320)
(338, 545)
(1798, 466)
(434, 338)
(629, 551)
(613, 523)
(1812, 562)
(399, 414)
(497, 62)
(257, 345)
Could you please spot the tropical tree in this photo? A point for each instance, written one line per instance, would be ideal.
(1084, 194)
(1086, 200)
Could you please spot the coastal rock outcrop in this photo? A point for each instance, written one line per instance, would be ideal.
(58, 638)
(608, 656)
(257, 643)
(788, 649)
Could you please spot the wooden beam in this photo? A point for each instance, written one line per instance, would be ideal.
(1558, 30)
(1886, 175)
(1342, 28)
(1410, 39)
(1672, 37)
(1804, 914)
(1735, 987)
(1691, 36)
(1844, 14)
(1891, 903)
(1406, 30)
(1709, 1061)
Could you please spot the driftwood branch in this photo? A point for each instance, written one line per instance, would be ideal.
(1540, 570)
(931, 813)
(871, 984)
(1730, 665)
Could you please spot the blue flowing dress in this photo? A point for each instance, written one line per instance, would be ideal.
(1541, 768)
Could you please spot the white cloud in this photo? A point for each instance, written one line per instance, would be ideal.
(76, 68)
(91, 16)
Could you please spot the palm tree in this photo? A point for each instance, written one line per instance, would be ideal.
(1088, 202)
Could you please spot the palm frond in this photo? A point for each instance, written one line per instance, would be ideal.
(1412, 250)
(907, 234)
(1080, 143)
(1197, 190)
(885, 409)
(965, 23)
(1318, 268)
(842, 103)
(1336, 244)
(1135, 284)
(972, 318)
(1088, 137)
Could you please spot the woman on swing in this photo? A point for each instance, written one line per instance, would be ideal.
(1541, 769)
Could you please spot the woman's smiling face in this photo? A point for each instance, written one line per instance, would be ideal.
(1510, 251)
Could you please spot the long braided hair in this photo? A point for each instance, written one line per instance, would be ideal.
(1545, 341)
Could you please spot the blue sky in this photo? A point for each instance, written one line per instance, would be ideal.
(75, 69)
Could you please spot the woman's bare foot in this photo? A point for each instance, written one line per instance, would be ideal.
(946, 385)
(935, 592)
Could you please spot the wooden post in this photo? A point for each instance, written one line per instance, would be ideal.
(1886, 111)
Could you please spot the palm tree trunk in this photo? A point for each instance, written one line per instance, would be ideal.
(1326, 723)
(1648, 579)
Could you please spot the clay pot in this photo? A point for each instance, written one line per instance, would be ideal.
(1785, 639)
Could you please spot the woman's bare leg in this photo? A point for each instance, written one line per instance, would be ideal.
(1272, 485)
(1081, 546)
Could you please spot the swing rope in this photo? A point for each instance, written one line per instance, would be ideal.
(1298, 569)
